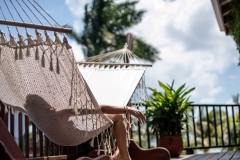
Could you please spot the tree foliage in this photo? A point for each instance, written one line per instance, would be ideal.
(105, 24)
(233, 23)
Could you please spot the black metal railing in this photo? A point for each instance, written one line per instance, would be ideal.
(32, 141)
(210, 126)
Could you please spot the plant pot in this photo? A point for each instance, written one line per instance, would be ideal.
(173, 144)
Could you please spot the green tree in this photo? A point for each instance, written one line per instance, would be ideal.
(235, 99)
(209, 125)
(233, 23)
(214, 125)
(105, 26)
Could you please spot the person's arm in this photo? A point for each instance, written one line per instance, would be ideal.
(107, 109)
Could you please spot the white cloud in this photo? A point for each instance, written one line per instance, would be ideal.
(193, 50)
(77, 50)
(76, 6)
(207, 101)
(230, 101)
(78, 26)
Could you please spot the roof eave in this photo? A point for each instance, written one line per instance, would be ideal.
(217, 11)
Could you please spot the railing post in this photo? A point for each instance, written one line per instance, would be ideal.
(189, 151)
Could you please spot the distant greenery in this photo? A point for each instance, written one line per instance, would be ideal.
(105, 27)
(235, 99)
(233, 23)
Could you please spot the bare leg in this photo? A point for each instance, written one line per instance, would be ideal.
(120, 133)
(119, 129)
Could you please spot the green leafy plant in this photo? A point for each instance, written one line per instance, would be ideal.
(233, 23)
(167, 112)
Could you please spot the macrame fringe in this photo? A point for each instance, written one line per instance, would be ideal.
(37, 54)
(16, 53)
(58, 67)
(51, 64)
(20, 47)
(98, 152)
(28, 52)
(106, 143)
(12, 110)
(70, 101)
(20, 50)
(129, 125)
(20, 53)
(43, 60)
(57, 39)
(105, 149)
(92, 142)
(0, 55)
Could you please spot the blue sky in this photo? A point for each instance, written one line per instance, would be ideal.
(193, 50)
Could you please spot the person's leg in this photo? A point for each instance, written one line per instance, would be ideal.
(120, 133)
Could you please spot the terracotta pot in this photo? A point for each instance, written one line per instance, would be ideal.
(173, 144)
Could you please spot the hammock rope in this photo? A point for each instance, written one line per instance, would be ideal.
(39, 77)
(10, 14)
(116, 58)
(38, 12)
(5, 19)
(47, 14)
(32, 13)
(67, 91)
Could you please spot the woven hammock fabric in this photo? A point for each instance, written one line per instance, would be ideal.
(42, 80)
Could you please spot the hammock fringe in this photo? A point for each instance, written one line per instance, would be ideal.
(46, 86)
(37, 54)
(60, 104)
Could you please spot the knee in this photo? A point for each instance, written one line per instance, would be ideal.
(118, 117)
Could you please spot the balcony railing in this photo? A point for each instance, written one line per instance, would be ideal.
(32, 141)
(211, 126)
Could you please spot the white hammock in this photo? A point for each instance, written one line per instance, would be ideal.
(51, 90)
(40, 78)
(112, 80)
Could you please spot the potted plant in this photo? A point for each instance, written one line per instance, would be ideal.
(166, 114)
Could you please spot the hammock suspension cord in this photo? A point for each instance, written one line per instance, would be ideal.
(121, 57)
(10, 14)
(5, 19)
(31, 6)
(48, 14)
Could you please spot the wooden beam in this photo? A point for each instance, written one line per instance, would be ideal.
(113, 64)
(226, 9)
(129, 41)
(218, 14)
(223, 2)
(36, 26)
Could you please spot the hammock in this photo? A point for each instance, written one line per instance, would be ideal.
(40, 78)
(120, 82)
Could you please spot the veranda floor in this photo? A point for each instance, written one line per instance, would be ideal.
(231, 155)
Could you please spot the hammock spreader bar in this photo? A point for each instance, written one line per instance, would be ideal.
(36, 26)
(113, 64)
